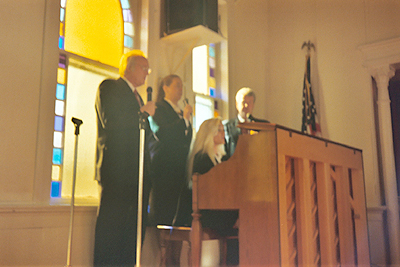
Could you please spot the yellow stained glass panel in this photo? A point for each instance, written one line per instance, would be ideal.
(94, 29)
(55, 173)
(211, 82)
(61, 29)
(60, 76)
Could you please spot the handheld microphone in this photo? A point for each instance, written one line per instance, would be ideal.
(149, 92)
(185, 101)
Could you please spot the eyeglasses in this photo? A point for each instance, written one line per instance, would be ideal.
(146, 69)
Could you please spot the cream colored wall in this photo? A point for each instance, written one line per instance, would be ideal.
(28, 79)
(33, 232)
(265, 39)
(247, 52)
(341, 84)
(337, 28)
(38, 236)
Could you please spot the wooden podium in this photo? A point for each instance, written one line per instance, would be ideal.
(301, 200)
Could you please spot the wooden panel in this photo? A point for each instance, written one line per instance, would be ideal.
(360, 217)
(287, 215)
(296, 145)
(327, 215)
(241, 179)
(346, 234)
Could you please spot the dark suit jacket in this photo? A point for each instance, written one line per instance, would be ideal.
(168, 164)
(117, 160)
(232, 133)
(117, 169)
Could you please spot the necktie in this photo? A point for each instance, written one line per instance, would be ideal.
(138, 98)
(245, 131)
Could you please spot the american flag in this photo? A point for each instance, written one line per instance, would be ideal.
(310, 123)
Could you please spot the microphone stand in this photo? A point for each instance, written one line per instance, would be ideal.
(77, 123)
(142, 127)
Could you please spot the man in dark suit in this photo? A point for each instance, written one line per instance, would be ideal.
(245, 99)
(118, 107)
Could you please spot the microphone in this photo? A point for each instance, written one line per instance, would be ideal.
(251, 118)
(185, 101)
(149, 91)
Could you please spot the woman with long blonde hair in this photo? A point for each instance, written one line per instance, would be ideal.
(207, 151)
(207, 148)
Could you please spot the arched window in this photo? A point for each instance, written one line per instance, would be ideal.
(93, 35)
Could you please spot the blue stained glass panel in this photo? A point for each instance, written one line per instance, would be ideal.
(57, 156)
(59, 123)
(212, 92)
(124, 4)
(62, 14)
(128, 41)
(60, 91)
(211, 51)
(55, 189)
(61, 42)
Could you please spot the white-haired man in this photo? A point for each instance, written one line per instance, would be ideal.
(118, 106)
(245, 99)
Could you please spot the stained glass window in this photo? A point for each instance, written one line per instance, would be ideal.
(211, 67)
(111, 26)
(204, 83)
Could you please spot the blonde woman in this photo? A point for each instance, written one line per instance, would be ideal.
(207, 151)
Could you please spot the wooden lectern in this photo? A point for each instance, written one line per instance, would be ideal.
(301, 200)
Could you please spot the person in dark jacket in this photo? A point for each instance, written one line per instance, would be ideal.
(118, 105)
(245, 100)
(208, 150)
(173, 134)
(173, 131)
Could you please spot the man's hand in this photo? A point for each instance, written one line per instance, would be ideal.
(187, 112)
(149, 108)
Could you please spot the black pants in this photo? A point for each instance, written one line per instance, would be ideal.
(116, 227)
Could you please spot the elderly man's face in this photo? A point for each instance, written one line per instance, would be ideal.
(138, 72)
(245, 106)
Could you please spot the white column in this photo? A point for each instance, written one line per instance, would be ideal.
(382, 76)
